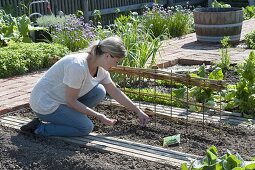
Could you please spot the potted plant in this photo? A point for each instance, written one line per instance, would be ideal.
(212, 24)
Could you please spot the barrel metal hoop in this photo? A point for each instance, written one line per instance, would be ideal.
(218, 26)
(217, 38)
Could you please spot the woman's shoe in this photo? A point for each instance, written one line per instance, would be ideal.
(31, 126)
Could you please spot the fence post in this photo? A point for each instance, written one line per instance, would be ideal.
(251, 2)
(85, 9)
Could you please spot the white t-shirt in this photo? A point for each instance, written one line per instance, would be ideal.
(72, 70)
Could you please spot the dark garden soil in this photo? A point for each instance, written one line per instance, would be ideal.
(195, 138)
(20, 151)
(231, 76)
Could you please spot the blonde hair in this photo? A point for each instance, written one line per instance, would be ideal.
(112, 45)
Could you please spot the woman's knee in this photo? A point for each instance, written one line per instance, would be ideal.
(100, 92)
(87, 128)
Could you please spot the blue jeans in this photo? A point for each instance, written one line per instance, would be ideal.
(65, 121)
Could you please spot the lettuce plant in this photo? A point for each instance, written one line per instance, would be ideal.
(212, 161)
(242, 96)
(16, 29)
(204, 95)
(245, 90)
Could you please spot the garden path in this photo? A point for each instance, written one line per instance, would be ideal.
(14, 91)
(187, 50)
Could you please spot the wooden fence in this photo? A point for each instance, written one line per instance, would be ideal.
(107, 8)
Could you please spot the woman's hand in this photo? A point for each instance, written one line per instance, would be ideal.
(105, 120)
(120, 97)
(143, 118)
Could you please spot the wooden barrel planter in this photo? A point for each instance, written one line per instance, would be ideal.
(212, 24)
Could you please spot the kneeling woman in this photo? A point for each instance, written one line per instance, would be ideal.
(65, 96)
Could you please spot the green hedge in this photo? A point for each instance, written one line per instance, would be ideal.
(20, 58)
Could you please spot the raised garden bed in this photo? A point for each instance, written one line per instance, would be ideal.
(230, 76)
(22, 151)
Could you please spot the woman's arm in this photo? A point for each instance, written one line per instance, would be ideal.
(120, 97)
(72, 102)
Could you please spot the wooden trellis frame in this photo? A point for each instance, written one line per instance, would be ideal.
(217, 85)
(185, 79)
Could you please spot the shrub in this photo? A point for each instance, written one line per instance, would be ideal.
(19, 58)
(250, 40)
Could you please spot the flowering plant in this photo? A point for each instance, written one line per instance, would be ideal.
(168, 22)
(75, 34)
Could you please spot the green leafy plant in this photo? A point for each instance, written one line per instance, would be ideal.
(242, 96)
(79, 13)
(216, 4)
(141, 46)
(19, 58)
(225, 57)
(16, 29)
(250, 40)
(212, 161)
(229, 98)
(97, 17)
(249, 12)
(204, 95)
(245, 89)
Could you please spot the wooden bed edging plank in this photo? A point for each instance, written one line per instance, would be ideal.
(110, 144)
